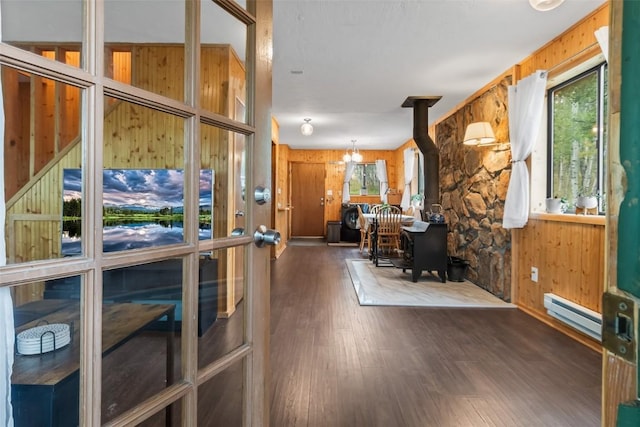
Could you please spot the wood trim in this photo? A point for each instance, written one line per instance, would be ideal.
(515, 266)
(619, 385)
(551, 56)
(54, 162)
(584, 339)
(619, 378)
(477, 94)
(570, 218)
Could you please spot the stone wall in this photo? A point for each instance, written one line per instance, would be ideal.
(473, 187)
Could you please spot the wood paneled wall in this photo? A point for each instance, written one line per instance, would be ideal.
(334, 175)
(571, 254)
(149, 69)
(37, 131)
(34, 226)
(573, 46)
(570, 257)
(282, 213)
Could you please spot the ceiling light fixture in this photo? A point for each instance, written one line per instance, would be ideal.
(306, 129)
(479, 134)
(354, 156)
(545, 5)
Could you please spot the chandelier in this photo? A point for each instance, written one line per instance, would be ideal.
(354, 156)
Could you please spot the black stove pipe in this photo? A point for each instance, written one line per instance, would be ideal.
(420, 105)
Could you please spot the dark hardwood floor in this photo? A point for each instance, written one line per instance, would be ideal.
(335, 363)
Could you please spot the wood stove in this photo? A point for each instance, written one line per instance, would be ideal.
(424, 251)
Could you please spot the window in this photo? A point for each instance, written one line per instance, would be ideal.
(364, 180)
(577, 150)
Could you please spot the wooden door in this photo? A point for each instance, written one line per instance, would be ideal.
(619, 385)
(240, 203)
(307, 199)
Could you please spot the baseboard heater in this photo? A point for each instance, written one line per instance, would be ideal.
(578, 317)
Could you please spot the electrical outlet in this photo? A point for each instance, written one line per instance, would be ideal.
(534, 274)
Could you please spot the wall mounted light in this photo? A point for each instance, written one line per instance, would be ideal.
(306, 129)
(545, 5)
(354, 156)
(479, 134)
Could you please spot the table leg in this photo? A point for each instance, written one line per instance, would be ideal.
(443, 276)
(373, 246)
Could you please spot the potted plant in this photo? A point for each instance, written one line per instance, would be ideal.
(587, 201)
(555, 205)
(416, 200)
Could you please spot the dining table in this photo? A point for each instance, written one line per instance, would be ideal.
(406, 220)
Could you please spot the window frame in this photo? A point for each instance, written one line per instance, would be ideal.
(363, 167)
(601, 71)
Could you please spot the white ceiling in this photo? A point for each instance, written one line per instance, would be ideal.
(349, 64)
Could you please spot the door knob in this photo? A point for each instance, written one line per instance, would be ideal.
(262, 195)
(263, 236)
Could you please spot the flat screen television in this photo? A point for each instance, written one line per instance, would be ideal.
(141, 208)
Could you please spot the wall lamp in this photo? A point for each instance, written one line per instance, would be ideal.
(479, 134)
(306, 129)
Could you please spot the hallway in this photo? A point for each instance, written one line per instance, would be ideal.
(337, 364)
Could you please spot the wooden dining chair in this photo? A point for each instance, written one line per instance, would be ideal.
(374, 209)
(365, 230)
(388, 223)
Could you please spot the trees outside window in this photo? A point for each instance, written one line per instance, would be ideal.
(577, 149)
(364, 180)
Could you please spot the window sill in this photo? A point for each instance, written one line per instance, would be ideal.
(569, 217)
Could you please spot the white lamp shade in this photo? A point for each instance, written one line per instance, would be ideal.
(544, 5)
(306, 129)
(479, 133)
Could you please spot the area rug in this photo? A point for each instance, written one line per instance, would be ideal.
(390, 286)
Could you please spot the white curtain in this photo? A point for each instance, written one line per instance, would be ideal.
(408, 155)
(602, 36)
(381, 173)
(348, 171)
(526, 102)
(6, 305)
